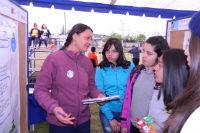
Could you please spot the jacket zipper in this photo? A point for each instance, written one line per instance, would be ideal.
(116, 80)
(78, 92)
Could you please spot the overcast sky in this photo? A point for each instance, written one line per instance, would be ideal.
(101, 23)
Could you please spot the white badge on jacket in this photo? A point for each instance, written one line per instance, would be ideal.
(70, 74)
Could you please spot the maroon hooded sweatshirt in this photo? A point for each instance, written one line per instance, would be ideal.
(65, 79)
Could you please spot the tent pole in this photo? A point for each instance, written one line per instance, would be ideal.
(64, 23)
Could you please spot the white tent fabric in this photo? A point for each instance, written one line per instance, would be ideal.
(123, 24)
(149, 8)
(164, 4)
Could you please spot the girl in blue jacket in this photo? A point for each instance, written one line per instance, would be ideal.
(111, 78)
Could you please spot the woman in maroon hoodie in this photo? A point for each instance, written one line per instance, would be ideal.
(65, 79)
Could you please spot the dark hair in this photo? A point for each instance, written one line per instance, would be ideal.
(76, 29)
(35, 24)
(159, 44)
(175, 74)
(93, 49)
(189, 99)
(121, 61)
(42, 27)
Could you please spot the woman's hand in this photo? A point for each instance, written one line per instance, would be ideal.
(62, 116)
(150, 131)
(101, 96)
(154, 130)
(124, 130)
(115, 125)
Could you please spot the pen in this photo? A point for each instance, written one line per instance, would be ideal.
(61, 114)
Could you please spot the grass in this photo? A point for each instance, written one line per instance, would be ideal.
(95, 122)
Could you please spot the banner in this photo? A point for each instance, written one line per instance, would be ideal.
(9, 76)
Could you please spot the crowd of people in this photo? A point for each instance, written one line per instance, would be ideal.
(164, 86)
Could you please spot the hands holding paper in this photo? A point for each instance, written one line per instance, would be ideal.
(100, 99)
(62, 116)
(103, 102)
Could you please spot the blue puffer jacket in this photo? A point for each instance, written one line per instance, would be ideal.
(112, 81)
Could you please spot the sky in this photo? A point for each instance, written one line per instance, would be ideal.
(101, 23)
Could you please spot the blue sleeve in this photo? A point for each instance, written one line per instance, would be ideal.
(100, 85)
(106, 111)
(99, 79)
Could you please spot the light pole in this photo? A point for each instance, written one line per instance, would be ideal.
(65, 32)
(122, 23)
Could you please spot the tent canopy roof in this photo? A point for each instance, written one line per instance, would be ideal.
(149, 8)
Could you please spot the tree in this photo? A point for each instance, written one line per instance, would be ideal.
(116, 35)
(130, 38)
(140, 38)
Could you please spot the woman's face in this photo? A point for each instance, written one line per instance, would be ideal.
(112, 55)
(188, 56)
(82, 41)
(158, 71)
(149, 57)
(44, 26)
(35, 26)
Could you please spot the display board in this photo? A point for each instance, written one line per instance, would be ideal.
(13, 34)
(178, 34)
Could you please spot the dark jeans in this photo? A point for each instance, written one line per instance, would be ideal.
(34, 40)
(82, 128)
(134, 129)
(105, 122)
(136, 61)
(43, 40)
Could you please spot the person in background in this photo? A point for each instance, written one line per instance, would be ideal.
(34, 35)
(53, 46)
(136, 54)
(171, 75)
(60, 87)
(111, 78)
(185, 117)
(44, 35)
(93, 57)
(141, 84)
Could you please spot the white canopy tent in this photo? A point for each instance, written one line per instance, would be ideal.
(193, 5)
(100, 8)
(151, 8)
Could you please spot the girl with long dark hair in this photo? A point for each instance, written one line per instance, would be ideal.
(111, 78)
(141, 83)
(171, 74)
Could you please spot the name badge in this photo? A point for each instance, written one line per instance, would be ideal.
(70, 74)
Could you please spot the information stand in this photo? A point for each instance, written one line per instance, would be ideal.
(178, 33)
(13, 38)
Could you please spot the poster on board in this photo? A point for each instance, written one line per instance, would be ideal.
(178, 34)
(13, 22)
(9, 76)
(186, 40)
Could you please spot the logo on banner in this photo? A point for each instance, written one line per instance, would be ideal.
(13, 43)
